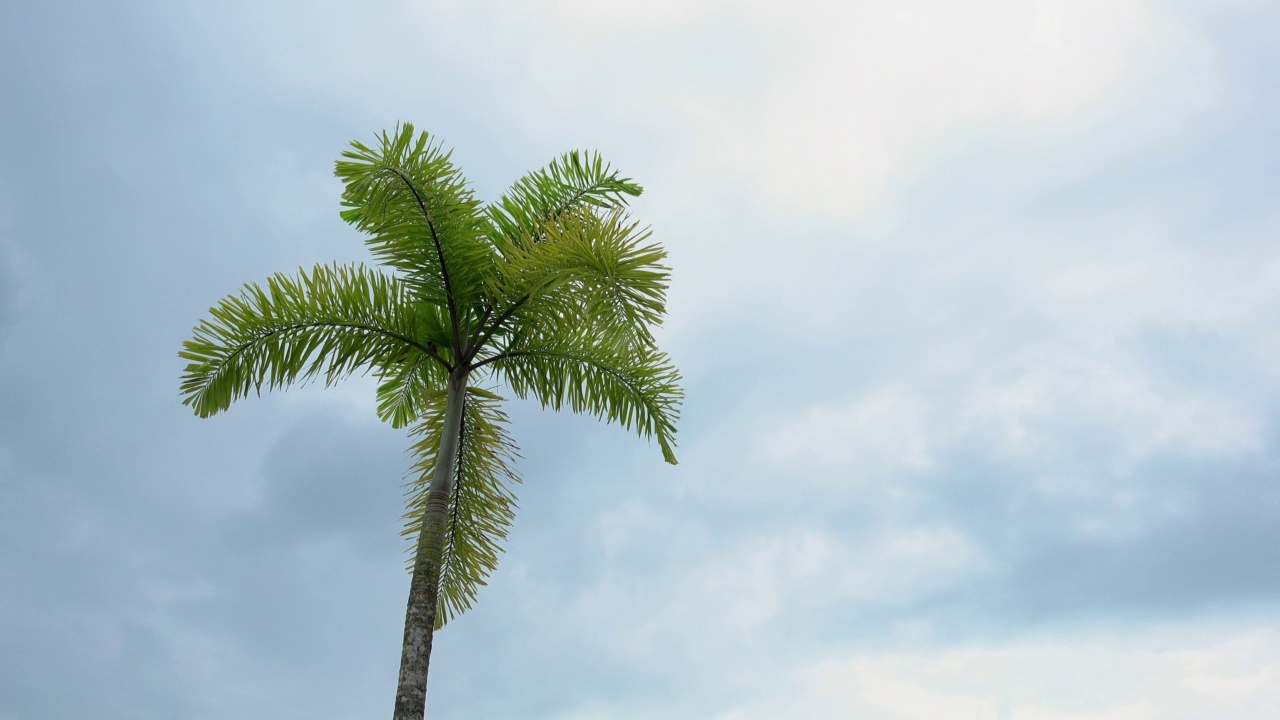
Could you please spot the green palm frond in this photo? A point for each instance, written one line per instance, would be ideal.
(636, 387)
(328, 322)
(574, 180)
(403, 385)
(481, 507)
(599, 269)
(594, 268)
(419, 213)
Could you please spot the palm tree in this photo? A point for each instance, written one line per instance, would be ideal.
(551, 291)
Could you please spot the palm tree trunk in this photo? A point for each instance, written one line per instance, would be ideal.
(420, 616)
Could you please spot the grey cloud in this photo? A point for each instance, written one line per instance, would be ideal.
(250, 565)
(10, 287)
(1062, 560)
(327, 477)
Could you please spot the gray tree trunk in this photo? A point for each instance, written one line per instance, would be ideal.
(420, 616)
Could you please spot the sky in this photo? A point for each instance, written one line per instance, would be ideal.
(977, 307)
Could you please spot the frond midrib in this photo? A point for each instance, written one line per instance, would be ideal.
(435, 240)
(585, 358)
(258, 338)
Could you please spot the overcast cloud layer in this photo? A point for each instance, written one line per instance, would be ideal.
(978, 309)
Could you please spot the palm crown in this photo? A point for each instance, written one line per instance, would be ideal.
(551, 291)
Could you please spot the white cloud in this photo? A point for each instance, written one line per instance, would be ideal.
(835, 101)
(858, 93)
(819, 106)
(1187, 671)
(1139, 674)
(1071, 413)
(1055, 402)
(880, 433)
(830, 453)
(743, 593)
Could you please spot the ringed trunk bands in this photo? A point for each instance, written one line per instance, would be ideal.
(424, 588)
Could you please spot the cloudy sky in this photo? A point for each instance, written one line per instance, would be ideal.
(978, 309)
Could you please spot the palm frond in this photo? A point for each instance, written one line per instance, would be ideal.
(329, 322)
(402, 386)
(592, 268)
(636, 387)
(482, 505)
(401, 389)
(577, 179)
(419, 213)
